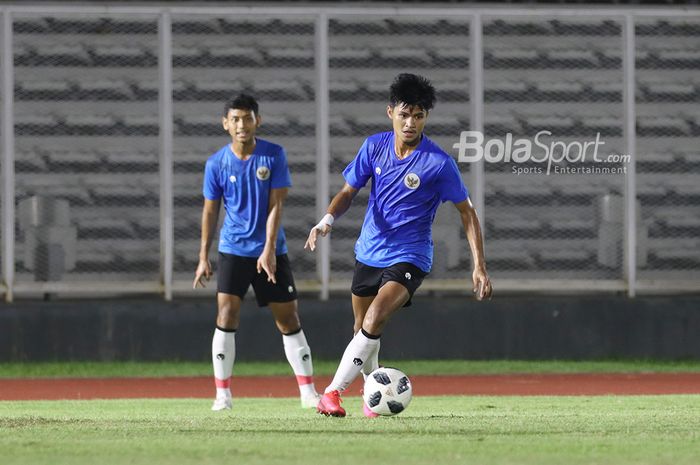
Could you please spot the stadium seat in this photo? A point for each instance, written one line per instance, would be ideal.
(586, 27)
(106, 227)
(195, 26)
(571, 58)
(512, 58)
(351, 58)
(605, 91)
(198, 125)
(120, 195)
(375, 90)
(218, 90)
(665, 91)
(76, 25)
(502, 27)
(30, 161)
(606, 125)
(679, 59)
(559, 125)
(233, 57)
(124, 55)
(124, 160)
(29, 25)
(139, 125)
(358, 27)
(275, 90)
(74, 161)
(131, 25)
(371, 124)
(289, 58)
(402, 57)
(89, 125)
(507, 91)
(24, 55)
(147, 90)
(55, 186)
(662, 126)
(573, 258)
(457, 57)
(453, 91)
(499, 125)
(189, 56)
(571, 227)
(443, 125)
(61, 55)
(103, 89)
(512, 226)
(37, 125)
(558, 91)
(45, 90)
(344, 91)
(508, 258)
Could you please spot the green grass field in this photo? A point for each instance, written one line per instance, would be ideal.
(653, 430)
(434, 430)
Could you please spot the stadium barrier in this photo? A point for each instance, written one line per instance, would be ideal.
(114, 109)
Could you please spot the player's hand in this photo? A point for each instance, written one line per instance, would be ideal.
(482, 284)
(203, 272)
(268, 262)
(313, 235)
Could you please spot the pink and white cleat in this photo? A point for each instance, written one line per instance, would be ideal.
(330, 404)
(367, 412)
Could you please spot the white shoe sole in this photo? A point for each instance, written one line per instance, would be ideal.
(310, 402)
(221, 404)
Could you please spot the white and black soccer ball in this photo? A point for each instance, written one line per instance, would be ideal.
(387, 391)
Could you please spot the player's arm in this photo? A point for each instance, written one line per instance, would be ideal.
(210, 216)
(472, 228)
(268, 260)
(338, 206)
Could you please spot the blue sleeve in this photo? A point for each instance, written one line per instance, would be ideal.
(358, 172)
(449, 183)
(211, 190)
(280, 176)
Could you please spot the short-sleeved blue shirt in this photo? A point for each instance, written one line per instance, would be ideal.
(403, 201)
(245, 189)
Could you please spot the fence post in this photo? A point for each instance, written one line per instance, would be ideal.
(476, 119)
(165, 111)
(8, 157)
(630, 234)
(323, 259)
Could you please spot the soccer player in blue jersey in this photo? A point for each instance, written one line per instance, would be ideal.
(252, 178)
(411, 176)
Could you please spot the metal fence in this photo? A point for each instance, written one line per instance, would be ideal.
(108, 114)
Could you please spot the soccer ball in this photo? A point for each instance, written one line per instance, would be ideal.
(387, 391)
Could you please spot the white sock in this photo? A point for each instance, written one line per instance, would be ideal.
(299, 357)
(372, 361)
(356, 354)
(223, 354)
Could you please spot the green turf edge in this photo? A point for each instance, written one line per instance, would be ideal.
(325, 367)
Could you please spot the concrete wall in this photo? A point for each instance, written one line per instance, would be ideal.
(562, 327)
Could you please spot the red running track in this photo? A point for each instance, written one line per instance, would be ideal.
(285, 386)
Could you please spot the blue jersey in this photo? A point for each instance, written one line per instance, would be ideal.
(403, 201)
(245, 187)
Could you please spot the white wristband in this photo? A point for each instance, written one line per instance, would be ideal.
(326, 220)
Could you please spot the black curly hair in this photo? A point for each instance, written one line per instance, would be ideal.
(412, 90)
(241, 102)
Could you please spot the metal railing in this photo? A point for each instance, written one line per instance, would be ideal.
(114, 109)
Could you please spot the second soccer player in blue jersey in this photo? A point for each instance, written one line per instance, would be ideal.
(411, 176)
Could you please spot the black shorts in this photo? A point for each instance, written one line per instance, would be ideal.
(367, 280)
(235, 274)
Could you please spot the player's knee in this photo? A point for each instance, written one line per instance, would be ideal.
(288, 323)
(374, 321)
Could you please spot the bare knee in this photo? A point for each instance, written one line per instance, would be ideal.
(374, 320)
(286, 317)
(228, 314)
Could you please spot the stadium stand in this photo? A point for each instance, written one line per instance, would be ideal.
(563, 75)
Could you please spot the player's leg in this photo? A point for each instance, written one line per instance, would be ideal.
(233, 279)
(365, 285)
(282, 300)
(391, 297)
(223, 347)
(359, 310)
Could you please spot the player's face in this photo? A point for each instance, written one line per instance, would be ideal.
(241, 124)
(408, 122)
